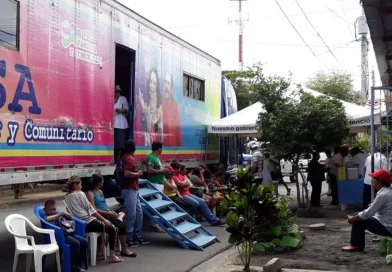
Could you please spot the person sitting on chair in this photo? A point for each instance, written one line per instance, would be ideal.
(79, 206)
(78, 244)
(377, 218)
(98, 202)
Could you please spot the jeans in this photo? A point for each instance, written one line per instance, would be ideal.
(334, 188)
(316, 193)
(78, 245)
(367, 195)
(134, 219)
(358, 231)
(196, 204)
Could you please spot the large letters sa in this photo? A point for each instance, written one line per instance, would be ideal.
(20, 95)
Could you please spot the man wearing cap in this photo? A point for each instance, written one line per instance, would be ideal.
(377, 218)
(121, 127)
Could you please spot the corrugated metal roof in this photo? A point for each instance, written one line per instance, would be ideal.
(379, 19)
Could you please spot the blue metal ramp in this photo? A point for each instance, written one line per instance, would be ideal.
(183, 228)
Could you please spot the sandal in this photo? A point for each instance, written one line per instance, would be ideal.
(115, 259)
(130, 255)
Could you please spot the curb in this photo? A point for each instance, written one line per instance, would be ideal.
(210, 257)
(27, 201)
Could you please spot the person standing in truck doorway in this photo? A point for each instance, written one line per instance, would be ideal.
(171, 116)
(156, 173)
(121, 126)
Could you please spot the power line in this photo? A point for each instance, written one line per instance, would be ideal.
(350, 23)
(344, 13)
(7, 33)
(1, 40)
(295, 28)
(316, 31)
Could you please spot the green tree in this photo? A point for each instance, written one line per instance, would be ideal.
(251, 85)
(302, 123)
(335, 83)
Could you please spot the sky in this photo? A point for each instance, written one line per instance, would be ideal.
(269, 37)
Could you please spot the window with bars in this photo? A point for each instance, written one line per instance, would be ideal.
(194, 87)
(9, 23)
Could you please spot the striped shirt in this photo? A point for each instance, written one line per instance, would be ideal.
(79, 206)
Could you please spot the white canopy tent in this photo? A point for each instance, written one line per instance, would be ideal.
(243, 123)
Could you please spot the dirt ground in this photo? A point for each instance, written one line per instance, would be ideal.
(322, 251)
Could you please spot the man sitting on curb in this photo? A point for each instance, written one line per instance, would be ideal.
(377, 218)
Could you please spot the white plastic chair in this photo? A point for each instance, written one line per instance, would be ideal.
(92, 237)
(16, 225)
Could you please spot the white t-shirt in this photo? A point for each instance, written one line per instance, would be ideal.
(380, 162)
(360, 158)
(259, 158)
(336, 159)
(120, 120)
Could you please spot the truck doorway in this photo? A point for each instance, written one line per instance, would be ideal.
(125, 78)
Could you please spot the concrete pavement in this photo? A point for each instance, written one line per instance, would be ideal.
(163, 254)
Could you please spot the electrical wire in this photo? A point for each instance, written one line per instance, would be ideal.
(276, 1)
(336, 13)
(7, 33)
(318, 34)
(344, 13)
(1, 40)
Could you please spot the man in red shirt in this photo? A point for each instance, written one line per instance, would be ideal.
(130, 193)
(171, 116)
(195, 204)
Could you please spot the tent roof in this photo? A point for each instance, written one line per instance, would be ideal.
(352, 110)
(244, 121)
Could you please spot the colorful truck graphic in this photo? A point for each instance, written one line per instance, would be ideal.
(57, 90)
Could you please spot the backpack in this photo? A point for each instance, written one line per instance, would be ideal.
(66, 224)
(119, 172)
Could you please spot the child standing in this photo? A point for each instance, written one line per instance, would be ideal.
(78, 244)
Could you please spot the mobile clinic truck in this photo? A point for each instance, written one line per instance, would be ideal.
(60, 61)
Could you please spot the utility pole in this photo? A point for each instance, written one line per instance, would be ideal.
(363, 31)
(241, 23)
(373, 79)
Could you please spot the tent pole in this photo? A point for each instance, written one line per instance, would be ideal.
(372, 133)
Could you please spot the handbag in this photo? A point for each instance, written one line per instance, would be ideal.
(66, 224)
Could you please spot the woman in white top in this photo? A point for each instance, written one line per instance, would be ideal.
(267, 179)
(121, 127)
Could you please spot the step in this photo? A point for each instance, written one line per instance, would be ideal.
(159, 203)
(172, 215)
(142, 181)
(202, 239)
(145, 192)
(186, 227)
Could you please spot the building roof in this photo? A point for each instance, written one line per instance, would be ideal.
(379, 19)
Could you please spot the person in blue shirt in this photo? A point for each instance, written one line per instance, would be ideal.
(97, 200)
(78, 244)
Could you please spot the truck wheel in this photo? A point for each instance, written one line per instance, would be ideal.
(120, 200)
